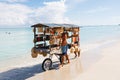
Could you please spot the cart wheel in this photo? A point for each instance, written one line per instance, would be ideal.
(60, 59)
(47, 63)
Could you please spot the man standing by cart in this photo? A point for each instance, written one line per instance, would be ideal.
(64, 48)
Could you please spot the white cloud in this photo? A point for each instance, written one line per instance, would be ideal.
(13, 14)
(73, 3)
(52, 12)
(96, 10)
(18, 14)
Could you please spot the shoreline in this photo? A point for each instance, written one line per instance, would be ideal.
(92, 56)
(22, 61)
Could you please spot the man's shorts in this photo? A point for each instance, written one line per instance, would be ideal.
(64, 49)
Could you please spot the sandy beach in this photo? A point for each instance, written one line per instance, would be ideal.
(98, 63)
(101, 63)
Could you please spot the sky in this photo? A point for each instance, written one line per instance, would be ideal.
(15, 13)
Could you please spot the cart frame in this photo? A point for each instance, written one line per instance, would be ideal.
(44, 33)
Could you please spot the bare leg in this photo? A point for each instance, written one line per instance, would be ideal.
(67, 58)
(75, 54)
(78, 53)
(62, 61)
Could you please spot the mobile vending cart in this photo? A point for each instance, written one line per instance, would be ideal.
(47, 41)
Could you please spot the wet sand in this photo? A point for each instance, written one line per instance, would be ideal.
(67, 72)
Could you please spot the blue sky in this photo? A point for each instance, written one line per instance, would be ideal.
(81, 12)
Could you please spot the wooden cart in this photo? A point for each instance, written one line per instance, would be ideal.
(47, 38)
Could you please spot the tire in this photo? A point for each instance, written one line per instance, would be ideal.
(60, 59)
(47, 63)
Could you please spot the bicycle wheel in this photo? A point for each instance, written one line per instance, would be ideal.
(47, 63)
(60, 58)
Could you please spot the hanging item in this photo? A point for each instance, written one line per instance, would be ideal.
(52, 40)
(51, 31)
(34, 54)
(40, 29)
(47, 30)
(75, 29)
(59, 29)
(44, 54)
(67, 29)
(77, 49)
(72, 49)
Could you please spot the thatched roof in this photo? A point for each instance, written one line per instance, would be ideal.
(54, 25)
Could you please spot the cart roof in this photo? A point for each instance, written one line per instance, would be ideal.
(54, 25)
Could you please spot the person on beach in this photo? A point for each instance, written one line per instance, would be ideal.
(75, 40)
(64, 48)
(77, 49)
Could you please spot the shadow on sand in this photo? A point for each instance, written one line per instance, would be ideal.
(24, 73)
(21, 73)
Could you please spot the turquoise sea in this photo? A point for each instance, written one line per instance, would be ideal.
(17, 42)
(14, 42)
